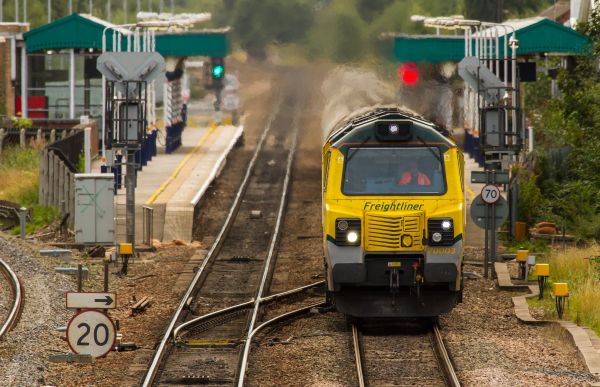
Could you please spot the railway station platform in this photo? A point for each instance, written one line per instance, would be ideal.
(173, 184)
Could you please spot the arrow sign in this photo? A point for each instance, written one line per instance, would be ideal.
(91, 300)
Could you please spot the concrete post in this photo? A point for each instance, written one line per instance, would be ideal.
(3, 134)
(41, 179)
(55, 181)
(23, 222)
(22, 138)
(50, 179)
(87, 148)
(61, 186)
(71, 202)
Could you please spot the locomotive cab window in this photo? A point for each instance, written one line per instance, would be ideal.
(394, 171)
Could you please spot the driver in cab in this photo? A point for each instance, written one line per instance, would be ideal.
(413, 176)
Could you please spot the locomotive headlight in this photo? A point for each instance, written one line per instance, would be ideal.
(352, 237)
(436, 237)
(446, 225)
(394, 129)
(347, 232)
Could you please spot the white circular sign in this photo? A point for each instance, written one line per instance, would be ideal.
(91, 333)
(490, 194)
(231, 102)
(231, 82)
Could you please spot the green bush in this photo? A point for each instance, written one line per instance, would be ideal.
(530, 197)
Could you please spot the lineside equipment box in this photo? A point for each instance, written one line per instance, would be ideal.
(94, 208)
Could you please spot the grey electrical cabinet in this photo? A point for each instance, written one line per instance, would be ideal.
(94, 208)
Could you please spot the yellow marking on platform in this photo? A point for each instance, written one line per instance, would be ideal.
(472, 193)
(166, 183)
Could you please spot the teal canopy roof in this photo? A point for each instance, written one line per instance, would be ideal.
(213, 43)
(535, 35)
(84, 31)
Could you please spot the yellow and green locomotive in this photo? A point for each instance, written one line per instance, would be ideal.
(393, 216)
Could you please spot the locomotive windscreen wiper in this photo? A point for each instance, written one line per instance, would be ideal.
(350, 156)
(431, 149)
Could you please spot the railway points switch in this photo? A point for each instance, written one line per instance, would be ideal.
(125, 249)
(542, 270)
(522, 255)
(560, 289)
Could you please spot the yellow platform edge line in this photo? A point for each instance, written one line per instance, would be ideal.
(173, 175)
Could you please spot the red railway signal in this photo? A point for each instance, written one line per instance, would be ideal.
(408, 74)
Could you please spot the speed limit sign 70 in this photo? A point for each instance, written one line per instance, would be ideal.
(91, 333)
(490, 194)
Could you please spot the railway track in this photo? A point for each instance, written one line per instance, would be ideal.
(17, 295)
(209, 337)
(415, 357)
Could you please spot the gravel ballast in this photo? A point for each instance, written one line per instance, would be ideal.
(24, 351)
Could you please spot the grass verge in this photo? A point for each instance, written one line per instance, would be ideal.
(583, 276)
(19, 172)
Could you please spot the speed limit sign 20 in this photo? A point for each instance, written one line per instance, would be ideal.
(91, 332)
(490, 194)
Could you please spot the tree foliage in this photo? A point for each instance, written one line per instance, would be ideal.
(568, 141)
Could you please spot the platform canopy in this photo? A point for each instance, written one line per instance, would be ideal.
(85, 32)
(213, 43)
(536, 35)
(73, 31)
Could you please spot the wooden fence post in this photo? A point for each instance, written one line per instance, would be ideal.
(52, 136)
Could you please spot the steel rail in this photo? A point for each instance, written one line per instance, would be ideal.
(285, 316)
(274, 297)
(358, 356)
(271, 253)
(448, 367)
(438, 345)
(17, 292)
(212, 253)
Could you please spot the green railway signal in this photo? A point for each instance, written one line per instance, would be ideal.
(218, 71)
